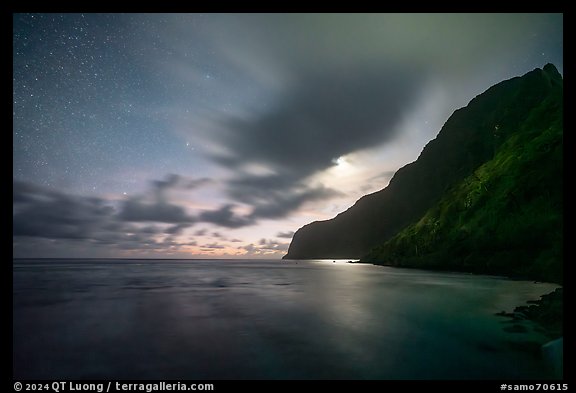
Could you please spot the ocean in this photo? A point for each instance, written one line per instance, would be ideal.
(266, 319)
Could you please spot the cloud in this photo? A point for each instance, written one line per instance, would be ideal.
(265, 246)
(386, 175)
(135, 209)
(176, 229)
(378, 180)
(200, 232)
(285, 235)
(272, 196)
(250, 248)
(272, 245)
(212, 246)
(170, 181)
(324, 114)
(265, 203)
(225, 217)
(152, 229)
(149, 223)
(154, 207)
(269, 197)
(174, 181)
(50, 218)
(281, 203)
(39, 212)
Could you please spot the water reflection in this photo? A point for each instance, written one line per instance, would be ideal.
(263, 319)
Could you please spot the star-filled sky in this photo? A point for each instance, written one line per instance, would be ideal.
(219, 135)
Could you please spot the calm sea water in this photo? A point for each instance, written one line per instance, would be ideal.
(210, 319)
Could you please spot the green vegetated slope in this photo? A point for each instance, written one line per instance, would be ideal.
(507, 216)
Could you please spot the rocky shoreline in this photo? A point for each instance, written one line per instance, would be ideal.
(547, 313)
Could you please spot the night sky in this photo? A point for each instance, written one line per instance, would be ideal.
(219, 135)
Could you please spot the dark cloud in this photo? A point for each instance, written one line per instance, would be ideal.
(274, 196)
(225, 217)
(279, 204)
(266, 203)
(151, 229)
(26, 192)
(269, 197)
(41, 213)
(176, 229)
(139, 222)
(135, 209)
(169, 242)
(285, 235)
(324, 114)
(253, 189)
(170, 181)
(155, 207)
(174, 181)
(45, 213)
